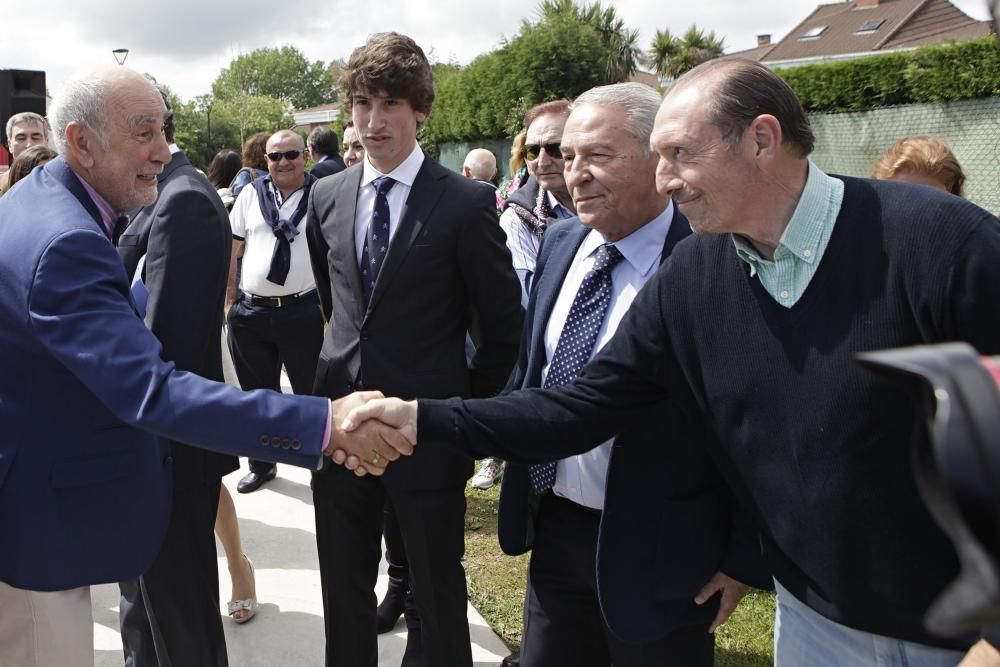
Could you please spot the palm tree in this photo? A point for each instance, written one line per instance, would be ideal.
(671, 55)
(621, 43)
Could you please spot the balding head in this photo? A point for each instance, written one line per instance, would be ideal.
(480, 164)
(287, 172)
(108, 125)
(738, 90)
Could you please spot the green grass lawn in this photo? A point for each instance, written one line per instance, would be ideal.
(496, 588)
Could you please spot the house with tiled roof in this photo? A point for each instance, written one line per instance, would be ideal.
(858, 28)
(307, 120)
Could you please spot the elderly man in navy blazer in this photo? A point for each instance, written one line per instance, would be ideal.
(652, 558)
(86, 402)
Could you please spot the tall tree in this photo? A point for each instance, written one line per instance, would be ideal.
(671, 55)
(283, 74)
(621, 44)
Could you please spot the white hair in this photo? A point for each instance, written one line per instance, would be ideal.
(83, 100)
(639, 101)
(27, 117)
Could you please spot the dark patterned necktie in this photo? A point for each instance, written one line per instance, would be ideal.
(377, 238)
(121, 223)
(577, 340)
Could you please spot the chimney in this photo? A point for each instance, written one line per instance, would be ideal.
(763, 40)
(866, 4)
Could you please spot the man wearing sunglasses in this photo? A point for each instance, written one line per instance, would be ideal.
(274, 318)
(544, 196)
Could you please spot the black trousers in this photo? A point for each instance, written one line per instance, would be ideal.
(349, 516)
(263, 339)
(563, 626)
(170, 616)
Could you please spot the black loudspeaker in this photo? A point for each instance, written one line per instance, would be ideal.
(20, 90)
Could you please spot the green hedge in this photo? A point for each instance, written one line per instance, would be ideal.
(953, 71)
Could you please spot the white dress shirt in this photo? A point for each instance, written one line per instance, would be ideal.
(404, 175)
(583, 478)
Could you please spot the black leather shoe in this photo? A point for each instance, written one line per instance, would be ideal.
(512, 660)
(390, 608)
(253, 481)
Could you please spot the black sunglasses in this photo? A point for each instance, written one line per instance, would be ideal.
(532, 151)
(288, 155)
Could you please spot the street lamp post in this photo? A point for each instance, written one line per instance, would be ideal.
(120, 55)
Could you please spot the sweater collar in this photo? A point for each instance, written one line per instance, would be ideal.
(808, 231)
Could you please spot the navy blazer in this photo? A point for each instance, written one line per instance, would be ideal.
(88, 405)
(333, 164)
(668, 522)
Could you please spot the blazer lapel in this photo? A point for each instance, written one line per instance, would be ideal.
(62, 173)
(679, 230)
(424, 194)
(342, 246)
(547, 291)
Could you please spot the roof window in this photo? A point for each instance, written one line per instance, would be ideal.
(869, 27)
(813, 33)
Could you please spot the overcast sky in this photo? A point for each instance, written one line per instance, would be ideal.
(189, 41)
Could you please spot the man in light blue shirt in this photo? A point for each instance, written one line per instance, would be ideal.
(589, 271)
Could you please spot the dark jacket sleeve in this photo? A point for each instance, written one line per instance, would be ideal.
(494, 294)
(318, 250)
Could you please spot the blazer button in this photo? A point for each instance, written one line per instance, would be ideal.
(168, 459)
(276, 441)
(286, 444)
(265, 440)
(296, 445)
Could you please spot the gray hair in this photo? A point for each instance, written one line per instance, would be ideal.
(639, 101)
(27, 117)
(83, 100)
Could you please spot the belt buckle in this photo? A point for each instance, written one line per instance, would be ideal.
(278, 299)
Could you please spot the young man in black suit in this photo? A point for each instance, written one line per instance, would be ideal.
(179, 247)
(433, 266)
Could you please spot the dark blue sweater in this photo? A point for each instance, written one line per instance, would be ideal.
(815, 446)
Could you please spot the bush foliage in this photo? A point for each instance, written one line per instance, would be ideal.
(946, 73)
(559, 57)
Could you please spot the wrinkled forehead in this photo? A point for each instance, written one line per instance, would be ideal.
(547, 128)
(134, 103)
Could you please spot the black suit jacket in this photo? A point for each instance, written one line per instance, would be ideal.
(186, 238)
(668, 522)
(447, 271)
(333, 164)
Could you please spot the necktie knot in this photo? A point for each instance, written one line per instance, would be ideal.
(383, 184)
(606, 256)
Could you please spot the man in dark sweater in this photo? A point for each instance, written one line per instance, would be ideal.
(801, 272)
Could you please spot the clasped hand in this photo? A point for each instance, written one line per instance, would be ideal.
(369, 431)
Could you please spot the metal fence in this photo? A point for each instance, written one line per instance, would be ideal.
(849, 143)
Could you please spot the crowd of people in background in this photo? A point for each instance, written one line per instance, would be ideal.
(664, 290)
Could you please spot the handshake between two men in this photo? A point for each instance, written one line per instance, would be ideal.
(369, 431)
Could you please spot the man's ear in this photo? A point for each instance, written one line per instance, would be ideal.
(765, 133)
(82, 144)
(421, 117)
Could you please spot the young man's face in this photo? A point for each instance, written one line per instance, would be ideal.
(387, 127)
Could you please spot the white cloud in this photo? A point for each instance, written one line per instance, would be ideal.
(187, 43)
